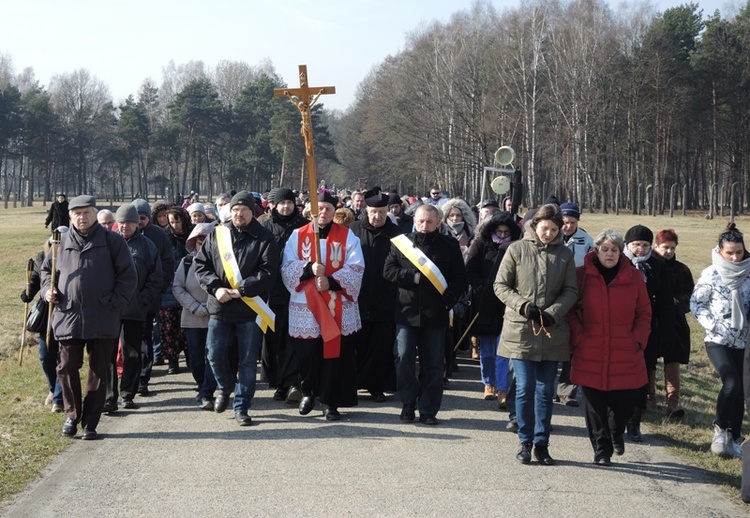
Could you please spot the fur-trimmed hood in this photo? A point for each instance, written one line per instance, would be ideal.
(469, 218)
(487, 227)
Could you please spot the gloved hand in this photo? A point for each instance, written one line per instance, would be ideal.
(201, 311)
(24, 297)
(547, 319)
(530, 311)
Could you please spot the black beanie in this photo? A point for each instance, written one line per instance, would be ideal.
(639, 233)
(243, 198)
(283, 193)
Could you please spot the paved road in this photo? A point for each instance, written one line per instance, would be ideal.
(169, 458)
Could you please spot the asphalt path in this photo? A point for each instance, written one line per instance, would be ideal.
(169, 458)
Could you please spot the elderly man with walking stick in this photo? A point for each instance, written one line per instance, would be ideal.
(95, 280)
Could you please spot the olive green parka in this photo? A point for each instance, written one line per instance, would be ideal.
(545, 275)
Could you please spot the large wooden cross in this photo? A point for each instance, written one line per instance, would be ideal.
(304, 98)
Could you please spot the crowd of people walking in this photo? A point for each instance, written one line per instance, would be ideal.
(374, 292)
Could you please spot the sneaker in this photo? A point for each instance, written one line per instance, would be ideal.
(734, 448)
(48, 400)
(719, 442)
(57, 408)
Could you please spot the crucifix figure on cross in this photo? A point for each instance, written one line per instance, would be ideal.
(304, 98)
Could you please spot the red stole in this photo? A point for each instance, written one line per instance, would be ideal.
(326, 306)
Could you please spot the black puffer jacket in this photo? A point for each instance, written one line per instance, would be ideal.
(376, 295)
(421, 305)
(258, 260)
(282, 227)
(482, 263)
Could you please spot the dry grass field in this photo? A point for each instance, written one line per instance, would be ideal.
(29, 431)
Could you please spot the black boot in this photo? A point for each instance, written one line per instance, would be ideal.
(634, 426)
(524, 452)
(174, 366)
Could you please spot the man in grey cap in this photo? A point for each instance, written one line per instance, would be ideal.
(160, 239)
(237, 266)
(148, 289)
(95, 280)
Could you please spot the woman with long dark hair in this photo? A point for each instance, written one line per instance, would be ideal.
(721, 302)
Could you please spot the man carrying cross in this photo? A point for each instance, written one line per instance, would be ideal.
(237, 265)
(323, 309)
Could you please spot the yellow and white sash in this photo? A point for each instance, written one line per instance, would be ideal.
(266, 317)
(421, 261)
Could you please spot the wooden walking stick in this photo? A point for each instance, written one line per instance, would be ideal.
(55, 242)
(468, 328)
(29, 271)
(304, 98)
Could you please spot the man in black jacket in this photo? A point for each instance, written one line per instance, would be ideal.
(58, 213)
(429, 270)
(159, 237)
(237, 266)
(278, 358)
(374, 342)
(148, 288)
(396, 208)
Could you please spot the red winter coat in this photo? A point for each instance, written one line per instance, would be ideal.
(616, 318)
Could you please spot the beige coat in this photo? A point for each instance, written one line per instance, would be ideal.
(545, 275)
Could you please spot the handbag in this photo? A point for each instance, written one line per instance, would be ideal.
(37, 319)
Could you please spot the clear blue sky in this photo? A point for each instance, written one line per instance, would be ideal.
(125, 42)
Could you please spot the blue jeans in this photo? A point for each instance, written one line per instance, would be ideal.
(535, 388)
(199, 366)
(428, 388)
(249, 338)
(494, 368)
(49, 358)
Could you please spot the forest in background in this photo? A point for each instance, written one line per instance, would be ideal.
(604, 107)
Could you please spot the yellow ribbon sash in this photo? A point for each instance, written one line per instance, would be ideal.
(266, 317)
(423, 263)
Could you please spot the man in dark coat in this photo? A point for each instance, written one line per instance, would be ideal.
(58, 213)
(148, 267)
(375, 367)
(395, 206)
(237, 266)
(159, 238)
(278, 358)
(96, 278)
(429, 270)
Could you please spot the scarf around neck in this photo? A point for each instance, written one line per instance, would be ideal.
(639, 262)
(732, 275)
